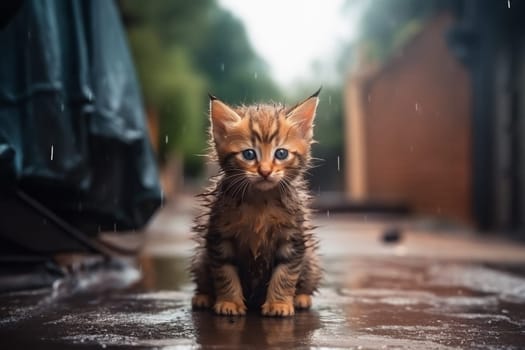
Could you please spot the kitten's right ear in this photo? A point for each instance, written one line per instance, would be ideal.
(302, 115)
(222, 117)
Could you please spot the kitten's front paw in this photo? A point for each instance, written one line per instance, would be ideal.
(201, 301)
(302, 301)
(229, 308)
(277, 308)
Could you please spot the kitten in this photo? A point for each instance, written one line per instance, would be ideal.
(255, 247)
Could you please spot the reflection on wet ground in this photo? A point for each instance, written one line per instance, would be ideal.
(367, 301)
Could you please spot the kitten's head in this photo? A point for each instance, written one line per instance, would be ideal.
(262, 146)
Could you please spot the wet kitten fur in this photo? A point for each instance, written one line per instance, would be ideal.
(255, 246)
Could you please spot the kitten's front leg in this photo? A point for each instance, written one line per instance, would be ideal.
(228, 290)
(281, 289)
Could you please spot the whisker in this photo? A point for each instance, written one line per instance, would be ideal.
(239, 188)
(287, 185)
(235, 185)
(247, 185)
(231, 181)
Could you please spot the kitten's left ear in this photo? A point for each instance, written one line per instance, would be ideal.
(302, 115)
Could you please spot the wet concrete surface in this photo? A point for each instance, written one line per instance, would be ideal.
(434, 289)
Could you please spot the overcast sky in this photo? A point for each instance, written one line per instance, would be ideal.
(290, 35)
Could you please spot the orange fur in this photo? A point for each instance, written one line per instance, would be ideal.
(302, 301)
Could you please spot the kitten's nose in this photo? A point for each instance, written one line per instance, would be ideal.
(265, 172)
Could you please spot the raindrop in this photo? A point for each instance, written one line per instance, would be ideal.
(52, 151)
(161, 198)
(328, 213)
(29, 34)
(114, 227)
(508, 4)
(61, 107)
(89, 95)
(255, 75)
(369, 98)
(411, 148)
(222, 67)
(330, 99)
(417, 107)
(338, 163)
(103, 346)
(166, 139)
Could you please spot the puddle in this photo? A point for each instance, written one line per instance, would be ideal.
(364, 303)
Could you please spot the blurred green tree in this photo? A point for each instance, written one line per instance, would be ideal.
(182, 50)
(329, 151)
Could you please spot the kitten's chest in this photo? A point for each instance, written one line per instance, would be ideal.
(255, 218)
(255, 225)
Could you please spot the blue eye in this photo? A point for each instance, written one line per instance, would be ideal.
(281, 153)
(249, 154)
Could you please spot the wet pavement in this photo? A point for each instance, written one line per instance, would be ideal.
(437, 288)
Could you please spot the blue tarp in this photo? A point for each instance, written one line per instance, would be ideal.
(72, 124)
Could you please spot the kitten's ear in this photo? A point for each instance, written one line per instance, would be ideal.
(222, 117)
(302, 115)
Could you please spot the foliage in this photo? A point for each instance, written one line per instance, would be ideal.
(329, 131)
(183, 50)
(236, 74)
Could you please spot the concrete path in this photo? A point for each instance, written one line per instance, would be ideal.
(435, 288)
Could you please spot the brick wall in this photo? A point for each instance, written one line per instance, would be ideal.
(415, 132)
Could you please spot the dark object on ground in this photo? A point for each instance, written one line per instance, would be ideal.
(392, 235)
(75, 157)
(8, 10)
(27, 272)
